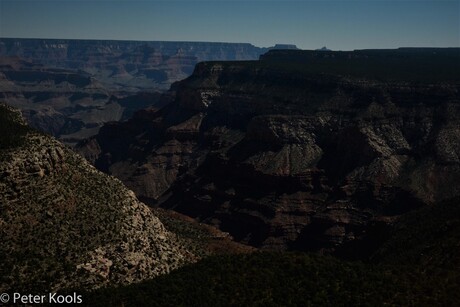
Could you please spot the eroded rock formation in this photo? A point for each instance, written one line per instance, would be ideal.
(301, 150)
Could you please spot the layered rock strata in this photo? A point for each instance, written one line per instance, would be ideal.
(301, 150)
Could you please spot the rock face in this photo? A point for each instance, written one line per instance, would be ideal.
(64, 224)
(301, 150)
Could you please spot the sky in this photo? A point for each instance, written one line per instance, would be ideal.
(309, 24)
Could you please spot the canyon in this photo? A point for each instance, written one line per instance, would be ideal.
(70, 88)
(351, 154)
(302, 150)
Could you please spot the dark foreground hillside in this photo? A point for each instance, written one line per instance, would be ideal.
(418, 266)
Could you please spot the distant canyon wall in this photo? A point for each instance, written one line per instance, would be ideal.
(69, 88)
(128, 65)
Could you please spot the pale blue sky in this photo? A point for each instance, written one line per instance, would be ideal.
(343, 25)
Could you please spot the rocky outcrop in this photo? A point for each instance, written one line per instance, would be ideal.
(65, 224)
(314, 150)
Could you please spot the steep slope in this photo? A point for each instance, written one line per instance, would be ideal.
(66, 225)
(305, 150)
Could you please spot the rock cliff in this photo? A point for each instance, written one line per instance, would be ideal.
(306, 150)
(66, 225)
